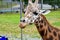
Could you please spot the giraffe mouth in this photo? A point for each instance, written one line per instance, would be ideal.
(22, 25)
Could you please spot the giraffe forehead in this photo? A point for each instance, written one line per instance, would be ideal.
(32, 8)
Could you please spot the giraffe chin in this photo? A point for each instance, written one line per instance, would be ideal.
(22, 25)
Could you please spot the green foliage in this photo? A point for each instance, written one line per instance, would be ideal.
(14, 0)
(18, 0)
(0, 0)
(52, 2)
(26, 1)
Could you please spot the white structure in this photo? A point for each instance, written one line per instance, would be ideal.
(45, 6)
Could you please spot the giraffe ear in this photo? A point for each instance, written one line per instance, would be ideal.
(36, 1)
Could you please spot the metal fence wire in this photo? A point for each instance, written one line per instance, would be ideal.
(9, 6)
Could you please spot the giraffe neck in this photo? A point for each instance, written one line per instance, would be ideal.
(46, 31)
(43, 26)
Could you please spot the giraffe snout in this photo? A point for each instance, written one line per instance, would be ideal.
(22, 25)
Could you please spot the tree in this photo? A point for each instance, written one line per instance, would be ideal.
(26, 1)
(16, 0)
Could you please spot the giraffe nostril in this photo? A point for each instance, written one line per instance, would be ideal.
(23, 20)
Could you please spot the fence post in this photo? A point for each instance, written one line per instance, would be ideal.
(41, 4)
(21, 17)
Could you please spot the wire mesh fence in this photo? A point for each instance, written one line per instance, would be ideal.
(8, 6)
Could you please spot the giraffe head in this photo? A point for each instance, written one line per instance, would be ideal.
(31, 14)
(31, 5)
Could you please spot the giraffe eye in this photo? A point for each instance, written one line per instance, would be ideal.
(35, 13)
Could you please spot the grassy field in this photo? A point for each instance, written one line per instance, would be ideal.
(9, 24)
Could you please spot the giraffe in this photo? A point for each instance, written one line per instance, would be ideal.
(46, 31)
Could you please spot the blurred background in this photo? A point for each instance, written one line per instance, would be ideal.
(10, 18)
(14, 5)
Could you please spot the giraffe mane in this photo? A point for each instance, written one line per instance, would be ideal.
(44, 18)
(49, 23)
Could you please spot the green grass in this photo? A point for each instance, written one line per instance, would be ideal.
(54, 18)
(9, 24)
